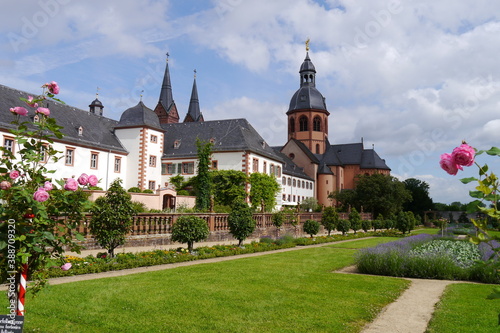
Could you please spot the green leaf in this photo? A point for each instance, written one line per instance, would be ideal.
(476, 194)
(468, 180)
(494, 151)
(3, 244)
(80, 237)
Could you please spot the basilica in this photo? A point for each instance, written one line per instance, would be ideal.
(147, 146)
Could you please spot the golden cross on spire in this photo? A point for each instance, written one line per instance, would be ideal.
(307, 44)
(168, 55)
(141, 94)
(194, 73)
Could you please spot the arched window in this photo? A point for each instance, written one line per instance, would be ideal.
(317, 148)
(303, 124)
(317, 124)
(292, 125)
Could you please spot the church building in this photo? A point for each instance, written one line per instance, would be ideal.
(146, 147)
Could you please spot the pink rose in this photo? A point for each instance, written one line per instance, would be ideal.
(71, 184)
(66, 266)
(448, 164)
(53, 87)
(463, 155)
(5, 185)
(14, 174)
(83, 179)
(19, 110)
(30, 102)
(48, 186)
(44, 111)
(93, 180)
(41, 195)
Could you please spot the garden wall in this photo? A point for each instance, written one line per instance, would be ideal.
(155, 229)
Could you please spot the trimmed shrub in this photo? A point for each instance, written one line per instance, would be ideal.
(311, 227)
(343, 226)
(134, 190)
(190, 229)
(329, 219)
(148, 191)
(240, 221)
(355, 220)
(366, 225)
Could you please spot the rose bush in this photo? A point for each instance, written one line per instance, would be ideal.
(38, 216)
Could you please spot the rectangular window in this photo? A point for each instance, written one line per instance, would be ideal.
(118, 164)
(152, 185)
(43, 154)
(255, 165)
(152, 161)
(70, 156)
(215, 165)
(188, 168)
(94, 159)
(179, 168)
(8, 143)
(278, 171)
(154, 138)
(264, 169)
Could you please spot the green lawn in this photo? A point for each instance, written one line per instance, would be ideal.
(281, 292)
(464, 309)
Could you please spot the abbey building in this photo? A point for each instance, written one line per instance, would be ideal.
(147, 146)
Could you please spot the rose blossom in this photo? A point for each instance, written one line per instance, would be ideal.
(463, 155)
(66, 266)
(449, 165)
(44, 111)
(41, 195)
(53, 87)
(30, 102)
(83, 179)
(93, 180)
(5, 185)
(14, 174)
(71, 184)
(48, 186)
(19, 110)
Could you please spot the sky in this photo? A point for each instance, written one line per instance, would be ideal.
(412, 79)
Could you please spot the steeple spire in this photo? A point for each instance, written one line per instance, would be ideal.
(194, 114)
(166, 97)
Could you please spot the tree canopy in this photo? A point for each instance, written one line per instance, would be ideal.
(420, 200)
(228, 186)
(263, 191)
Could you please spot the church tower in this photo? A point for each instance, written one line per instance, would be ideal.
(194, 114)
(166, 109)
(307, 114)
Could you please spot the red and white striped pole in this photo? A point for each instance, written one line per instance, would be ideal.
(22, 290)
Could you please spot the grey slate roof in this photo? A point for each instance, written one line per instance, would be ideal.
(166, 96)
(289, 167)
(228, 135)
(97, 130)
(139, 115)
(353, 154)
(194, 105)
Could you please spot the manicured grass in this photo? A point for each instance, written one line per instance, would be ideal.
(464, 309)
(281, 292)
(361, 244)
(430, 231)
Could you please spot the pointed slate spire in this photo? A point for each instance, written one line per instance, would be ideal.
(166, 97)
(194, 114)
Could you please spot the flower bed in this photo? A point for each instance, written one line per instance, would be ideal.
(426, 256)
(102, 263)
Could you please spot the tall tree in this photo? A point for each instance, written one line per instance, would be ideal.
(203, 182)
(263, 191)
(420, 199)
(228, 186)
(112, 217)
(329, 219)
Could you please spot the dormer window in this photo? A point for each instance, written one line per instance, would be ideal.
(177, 144)
(80, 131)
(212, 140)
(36, 119)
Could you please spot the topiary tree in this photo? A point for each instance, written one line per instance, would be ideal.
(355, 220)
(378, 223)
(112, 217)
(190, 229)
(390, 222)
(240, 221)
(405, 222)
(278, 220)
(329, 219)
(311, 227)
(343, 226)
(366, 225)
